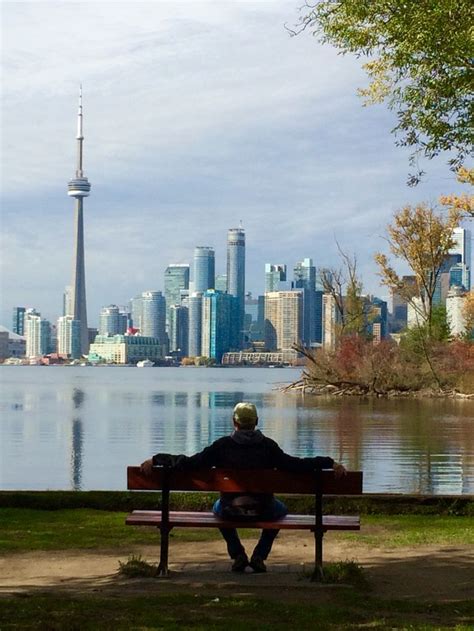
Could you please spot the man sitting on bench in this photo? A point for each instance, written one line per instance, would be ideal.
(246, 448)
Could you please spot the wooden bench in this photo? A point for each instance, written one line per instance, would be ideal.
(317, 483)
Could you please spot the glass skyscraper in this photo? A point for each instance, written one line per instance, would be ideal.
(112, 321)
(220, 322)
(153, 316)
(275, 275)
(204, 268)
(236, 274)
(195, 324)
(18, 321)
(176, 280)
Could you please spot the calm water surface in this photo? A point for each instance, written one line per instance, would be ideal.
(79, 427)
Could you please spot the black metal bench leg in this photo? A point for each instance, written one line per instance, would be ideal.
(164, 548)
(318, 575)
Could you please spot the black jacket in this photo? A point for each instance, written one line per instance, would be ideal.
(244, 449)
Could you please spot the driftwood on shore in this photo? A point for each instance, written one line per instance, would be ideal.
(304, 386)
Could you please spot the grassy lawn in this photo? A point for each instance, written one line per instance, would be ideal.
(82, 528)
(347, 610)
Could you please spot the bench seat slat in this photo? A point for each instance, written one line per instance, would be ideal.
(210, 520)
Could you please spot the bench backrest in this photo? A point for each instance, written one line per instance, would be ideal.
(246, 480)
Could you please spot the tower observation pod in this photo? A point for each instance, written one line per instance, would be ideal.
(79, 186)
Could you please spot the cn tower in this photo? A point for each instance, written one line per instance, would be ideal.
(79, 188)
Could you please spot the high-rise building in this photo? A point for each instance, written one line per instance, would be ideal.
(195, 324)
(69, 337)
(236, 274)
(463, 240)
(37, 333)
(176, 280)
(331, 318)
(283, 319)
(79, 187)
(220, 324)
(112, 321)
(304, 275)
(399, 315)
(67, 300)
(179, 329)
(204, 268)
(221, 282)
(455, 313)
(18, 321)
(377, 318)
(275, 275)
(153, 317)
(136, 311)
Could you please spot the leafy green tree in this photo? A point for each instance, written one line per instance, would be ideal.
(420, 61)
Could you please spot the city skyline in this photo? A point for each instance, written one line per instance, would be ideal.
(204, 134)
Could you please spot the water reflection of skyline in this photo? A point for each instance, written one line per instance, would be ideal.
(81, 433)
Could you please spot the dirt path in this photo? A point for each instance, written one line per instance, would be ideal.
(434, 573)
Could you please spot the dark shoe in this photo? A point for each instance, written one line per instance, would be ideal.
(258, 564)
(240, 563)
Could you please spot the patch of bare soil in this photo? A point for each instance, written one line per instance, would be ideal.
(431, 573)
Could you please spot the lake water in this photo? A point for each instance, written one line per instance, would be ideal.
(79, 427)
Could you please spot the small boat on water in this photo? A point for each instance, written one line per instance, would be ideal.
(145, 363)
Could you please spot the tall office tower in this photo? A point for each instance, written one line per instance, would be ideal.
(67, 300)
(442, 281)
(176, 280)
(136, 311)
(455, 311)
(304, 277)
(236, 274)
(38, 334)
(220, 324)
(153, 320)
(377, 319)
(179, 329)
(283, 319)
(462, 238)
(112, 321)
(204, 268)
(18, 320)
(275, 275)
(331, 318)
(195, 324)
(79, 187)
(221, 282)
(69, 337)
(399, 317)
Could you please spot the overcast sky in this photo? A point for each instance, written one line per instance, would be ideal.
(196, 115)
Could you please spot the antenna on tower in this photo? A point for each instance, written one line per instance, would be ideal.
(241, 227)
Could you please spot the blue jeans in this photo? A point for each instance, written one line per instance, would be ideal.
(264, 545)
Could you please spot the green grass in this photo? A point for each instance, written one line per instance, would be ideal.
(346, 610)
(414, 530)
(28, 529)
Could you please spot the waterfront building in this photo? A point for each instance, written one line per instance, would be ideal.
(455, 315)
(275, 276)
(459, 276)
(125, 349)
(78, 188)
(18, 320)
(153, 316)
(283, 319)
(176, 281)
(179, 329)
(195, 324)
(37, 333)
(220, 324)
(16, 343)
(69, 337)
(236, 274)
(443, 279)
(204, 268)
(462, 246)
(4, 345)
(112, 321)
